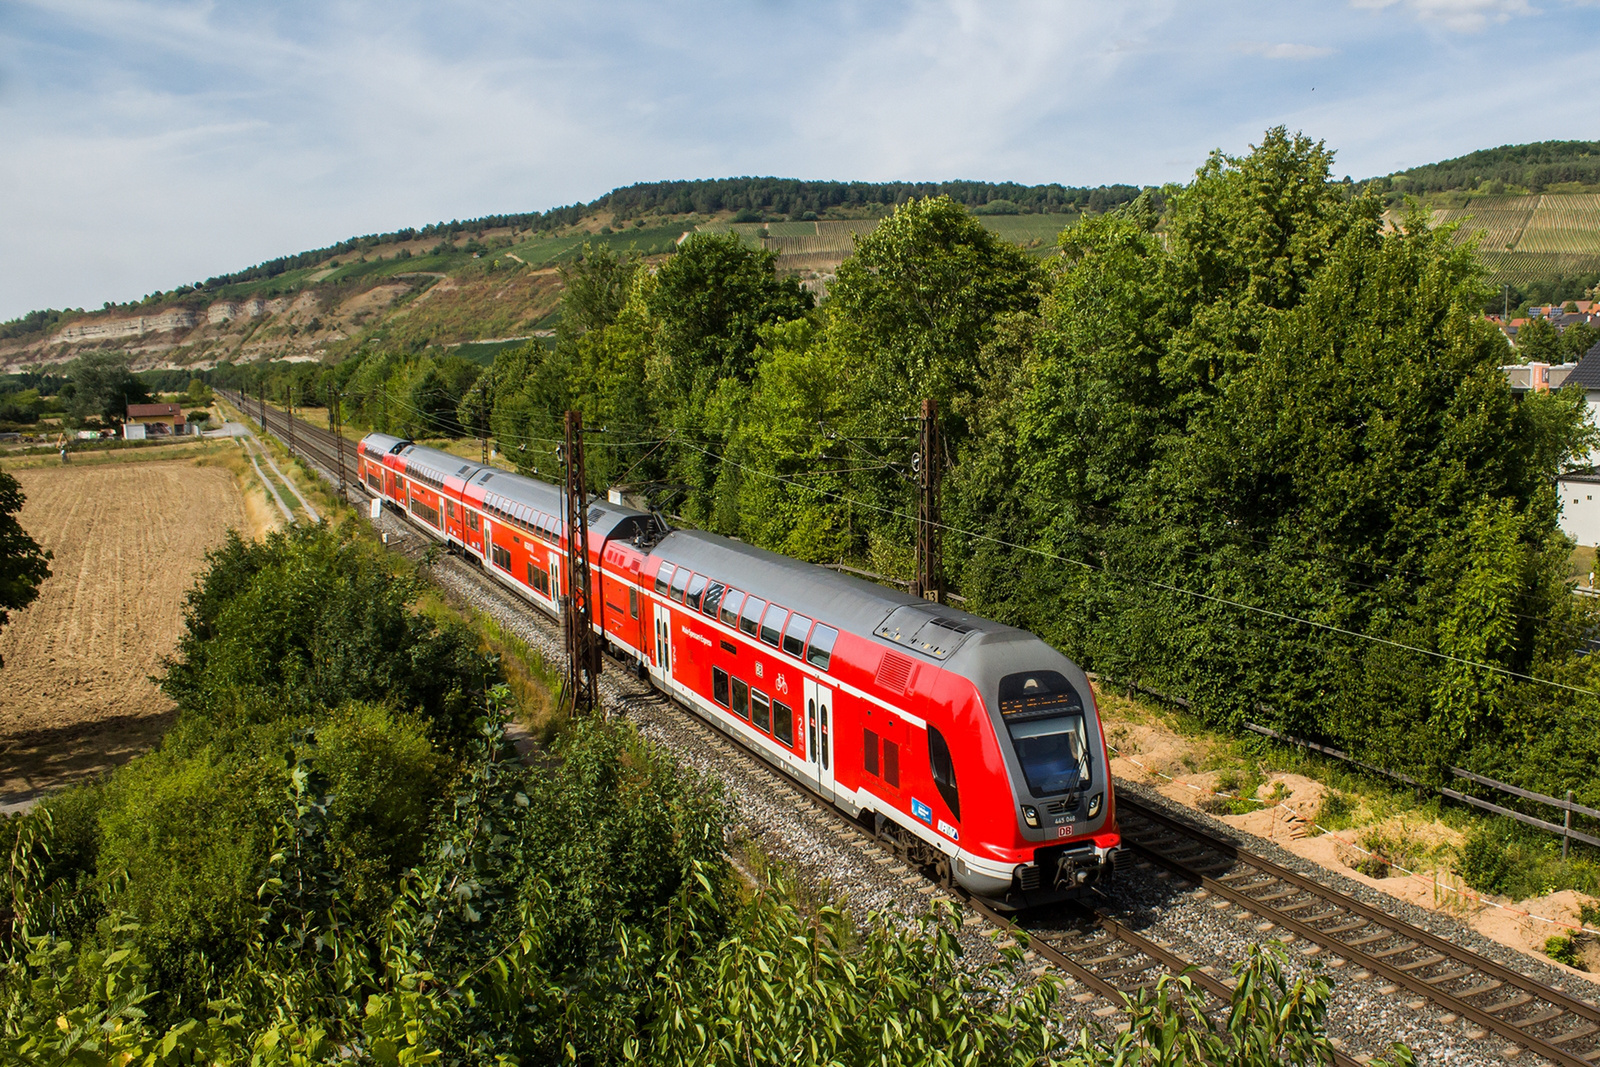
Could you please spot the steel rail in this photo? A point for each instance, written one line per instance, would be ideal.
(1454, 957)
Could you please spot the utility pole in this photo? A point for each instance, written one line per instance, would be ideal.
(926, 464)
(336, 426)
(583, 651)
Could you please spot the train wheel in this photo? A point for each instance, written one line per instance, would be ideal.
(943, 871)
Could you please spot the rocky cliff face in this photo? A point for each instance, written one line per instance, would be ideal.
(410, 311)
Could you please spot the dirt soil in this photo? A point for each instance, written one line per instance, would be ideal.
(128, 539)
(1148, 751)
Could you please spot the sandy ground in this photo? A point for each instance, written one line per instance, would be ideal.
(128, 539)
(1162, 758)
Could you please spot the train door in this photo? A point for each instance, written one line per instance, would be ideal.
(557, 594)
(662, 660)
(819, 735)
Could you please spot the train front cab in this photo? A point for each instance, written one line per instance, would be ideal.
(1043, 824)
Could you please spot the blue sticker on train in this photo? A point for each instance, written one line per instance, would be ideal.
(922, 811)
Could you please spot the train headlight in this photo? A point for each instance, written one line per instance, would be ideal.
(1094, 804)
(1030, 815)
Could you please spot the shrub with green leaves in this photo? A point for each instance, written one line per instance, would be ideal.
(311, 619)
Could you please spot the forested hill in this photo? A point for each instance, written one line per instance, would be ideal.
(1531, 167)
(750, 199)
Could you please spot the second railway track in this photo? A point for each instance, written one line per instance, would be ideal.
(1107, 957)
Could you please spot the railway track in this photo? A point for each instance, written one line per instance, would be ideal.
(1109, 959)
(1541, 1019)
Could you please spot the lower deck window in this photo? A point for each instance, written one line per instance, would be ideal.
(501, 557)
(374, 481)
(782, 722)
(719, 686)
(425, 512)
(539, 579)
(741, 699)
(761, 710)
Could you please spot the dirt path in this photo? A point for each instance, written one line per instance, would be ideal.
(128, 539)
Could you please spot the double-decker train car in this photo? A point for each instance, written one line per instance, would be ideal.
(975, 746)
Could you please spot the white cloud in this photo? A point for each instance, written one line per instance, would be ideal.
(1464, 16)
(1269, 50)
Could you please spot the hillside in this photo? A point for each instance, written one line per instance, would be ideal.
(478, 285)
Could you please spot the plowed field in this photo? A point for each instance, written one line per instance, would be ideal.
(129, 539)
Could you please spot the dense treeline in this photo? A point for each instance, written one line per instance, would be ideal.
(335, 857)
(787, 197)
(1531, 167)
(1253, 450)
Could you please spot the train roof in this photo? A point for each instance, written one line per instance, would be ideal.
(435, 465)
(891, 618)
(383, 443)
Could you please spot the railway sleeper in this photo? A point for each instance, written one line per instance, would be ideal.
(1386, 953)
(1543, 1017)
(1510, 1002)
(1417, 965)
(1572, 1035)
(1450, 976)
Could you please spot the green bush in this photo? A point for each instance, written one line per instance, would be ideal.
(310, 619)
(1486, 863)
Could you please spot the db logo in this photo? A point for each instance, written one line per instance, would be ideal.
(782, 684)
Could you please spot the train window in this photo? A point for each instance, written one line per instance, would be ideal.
(944, 770)
(663, 576)
(741, 699)
(782, 722)
(794, 635)
(820, 651)
(680, 578)
(697, 588)
(501, 557)
(633, 602)
(760, 709)
(539, 579)
(450, 508)
(713, 597)
(719, 686)
(869, 751)
(472, 520)
(750, 617)
(772, 624)
(891, 763)
(1053, 751)
(731, 601)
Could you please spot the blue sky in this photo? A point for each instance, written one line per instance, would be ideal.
(148, 144)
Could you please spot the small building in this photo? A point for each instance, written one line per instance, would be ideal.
(153, 420)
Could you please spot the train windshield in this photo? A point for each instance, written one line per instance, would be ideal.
(1045, 717)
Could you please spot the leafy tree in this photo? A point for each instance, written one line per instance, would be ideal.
(23, 564)
(1538, 341)
(104, 386)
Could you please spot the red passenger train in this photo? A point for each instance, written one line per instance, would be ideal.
(975, 745)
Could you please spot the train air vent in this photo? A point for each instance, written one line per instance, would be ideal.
(486, 476)
(1059, 807)
(932, 635)
(894, 672)
(594, 514)
(463, 470)
(1030, 877)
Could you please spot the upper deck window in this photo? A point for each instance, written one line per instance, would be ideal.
(713, 597)
(697, 588)
(794, 634)
(750, 617)
(732, 600)
(820, 652)
(772, 624)
(680, 578)
(663, 576)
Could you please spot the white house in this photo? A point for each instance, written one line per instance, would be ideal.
(1580, 491)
